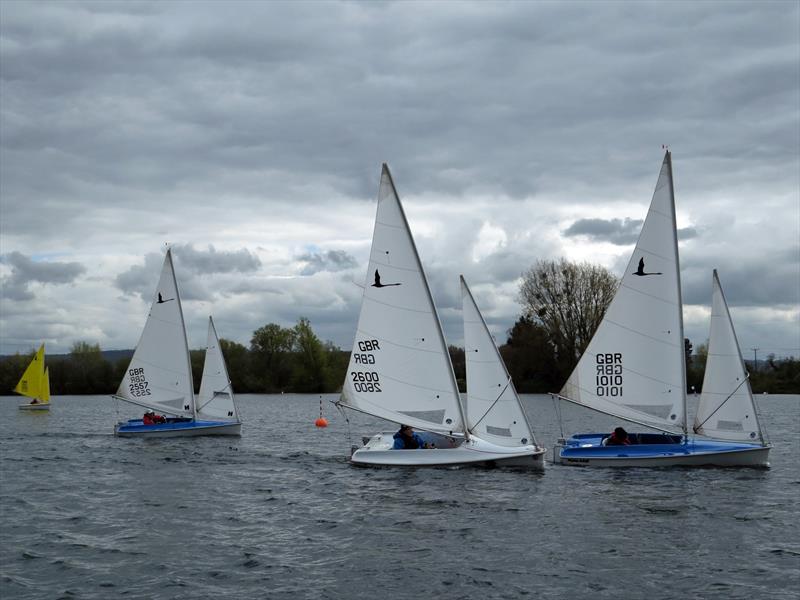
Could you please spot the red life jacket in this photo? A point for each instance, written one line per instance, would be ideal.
(147, 419)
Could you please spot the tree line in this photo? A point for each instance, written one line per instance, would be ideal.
(563, 304)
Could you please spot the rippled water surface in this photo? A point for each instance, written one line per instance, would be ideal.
(279, 513)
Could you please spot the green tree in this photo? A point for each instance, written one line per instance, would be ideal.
(459, 360)
(87, 371)
(568, 300)
(271, 346)
(530, 358)
(237, 359)
(311, 364)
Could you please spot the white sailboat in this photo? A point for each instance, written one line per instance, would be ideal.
(159, 376)
(634, 367)
(493, 409)
(400, 369)
(35, 383)
(727, 409)
(216, 399)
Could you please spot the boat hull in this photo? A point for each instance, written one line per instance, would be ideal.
(41, 406)
(135, 428)
(586, 450)
(449, 451)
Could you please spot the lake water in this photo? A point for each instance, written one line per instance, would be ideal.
(280, 513)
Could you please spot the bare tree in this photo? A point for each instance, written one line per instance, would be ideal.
(569, 300)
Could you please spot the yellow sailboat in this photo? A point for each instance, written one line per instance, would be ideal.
(35, 383)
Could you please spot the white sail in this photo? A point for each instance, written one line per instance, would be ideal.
(215, 400)
(494, 412)
(634, 366)
(159, 375)
(400, 368)
(726, 409)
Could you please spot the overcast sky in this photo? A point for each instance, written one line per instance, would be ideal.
(250, 136)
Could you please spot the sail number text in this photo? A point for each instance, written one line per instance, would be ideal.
(609, 374)
(366, 381)
(138, 385)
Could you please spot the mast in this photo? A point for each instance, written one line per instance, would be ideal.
(682, 343)
(185, 338)
(433, 306)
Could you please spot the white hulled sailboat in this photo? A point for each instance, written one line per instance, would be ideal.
(400, 368)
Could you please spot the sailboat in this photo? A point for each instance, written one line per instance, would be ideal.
(727, 410)
(216, 400)
(634, 367)
(159, 376)
(493, 408)
(35, 383)
(400, 368)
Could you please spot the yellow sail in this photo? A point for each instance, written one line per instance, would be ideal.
(46, 387)
(32, 382)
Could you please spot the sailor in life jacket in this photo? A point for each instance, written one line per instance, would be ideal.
(406, 439)
(618, 438)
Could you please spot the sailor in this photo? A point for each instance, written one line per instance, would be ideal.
(618, 438)
(406, 439)
(147, 419)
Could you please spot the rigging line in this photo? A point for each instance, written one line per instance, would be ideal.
(373, 336)
(639, 333)
(557, 408)
(658, 298)
(424, 312)
(478, 422)
(746, 377)
(391, 266)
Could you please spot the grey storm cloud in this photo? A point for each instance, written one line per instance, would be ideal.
(616, 231)
(214, 261)
(331, 260)
(25, 270)
(131, 123)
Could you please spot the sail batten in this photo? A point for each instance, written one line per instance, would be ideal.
(633, 367)
(400, 368)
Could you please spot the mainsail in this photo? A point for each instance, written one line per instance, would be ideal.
(726, 409)
(159, 375)
(400, 368)
(634, 366)
(34, 382)
(493, 410)
(215, 400)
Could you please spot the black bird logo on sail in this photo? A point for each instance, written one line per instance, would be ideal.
(161, 300)
(378, 283)
(640, 271)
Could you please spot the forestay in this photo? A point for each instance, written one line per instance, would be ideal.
(215, 400)
(493, 408)
(726, 409)
(400, 368)
(634, 365)
(159, 375)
